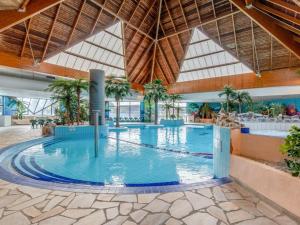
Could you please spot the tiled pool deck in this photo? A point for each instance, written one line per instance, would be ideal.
(216, 205)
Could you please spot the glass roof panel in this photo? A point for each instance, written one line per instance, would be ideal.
(102, 51)
(206, 59)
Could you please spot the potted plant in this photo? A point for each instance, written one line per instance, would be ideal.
(117, 88)
(291, 149)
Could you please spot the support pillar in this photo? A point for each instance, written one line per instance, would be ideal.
(97, 95)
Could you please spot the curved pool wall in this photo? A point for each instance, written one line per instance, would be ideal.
(59, 182)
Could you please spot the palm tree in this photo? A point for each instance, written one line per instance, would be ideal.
(20, 107)
(156, 91)
(174, 98)
(119, 89)
(79, 86)
(229, 93)
(148, 99)
(63, 91)
(242, 97)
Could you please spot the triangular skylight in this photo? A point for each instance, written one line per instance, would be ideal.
(101, 51)
(206, 59)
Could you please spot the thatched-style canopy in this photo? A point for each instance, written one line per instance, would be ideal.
(156, 35)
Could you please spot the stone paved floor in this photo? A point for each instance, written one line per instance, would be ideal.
(226, 204)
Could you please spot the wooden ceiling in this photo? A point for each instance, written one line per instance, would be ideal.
(263, 34)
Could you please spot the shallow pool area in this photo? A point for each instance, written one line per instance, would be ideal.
(137, 157)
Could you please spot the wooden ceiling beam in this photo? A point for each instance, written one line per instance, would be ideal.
(26, 37)
(161, 70)
(142, 56)
(138, 78)
(10, 18)
(275, 12)
(183, 14)
(166, 62)
(75, 24)
(174, 27)
(268, 24)
(172, 49)
(25, 63)
(144, 19)
(122, 19)
(136, 32)
(201, 24)
(198, 12)
(97, 19)
(285, 5)
(50, 33)
(155, 41)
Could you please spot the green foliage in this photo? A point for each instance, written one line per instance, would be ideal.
(20, 107)
(68, 95)
(118, 89)
(230, 94)
(175, 98)
(148, 102)
(291, 148)
(260, 107)
(79, 86)
(241, 97)
(272, 109)
(276, 109)
(155, 91)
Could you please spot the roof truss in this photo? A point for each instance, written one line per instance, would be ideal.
(157, 33)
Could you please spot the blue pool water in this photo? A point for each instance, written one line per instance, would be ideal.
(137, 157)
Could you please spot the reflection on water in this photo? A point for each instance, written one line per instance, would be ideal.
(120, 162)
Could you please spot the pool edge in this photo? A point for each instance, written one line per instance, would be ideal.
(26, 181)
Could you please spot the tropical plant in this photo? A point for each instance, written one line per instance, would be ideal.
(118, 89)
(167, 107)
(206, 112)
(242, 97)
(276, 109)
(291, 148)
(20, 107)
(174, 98)
(63, 92)
(229, 93)
(84, 112)
(148, 100)
(155, 91)
(79, 86)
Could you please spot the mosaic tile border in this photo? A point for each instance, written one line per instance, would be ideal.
(10, 176)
